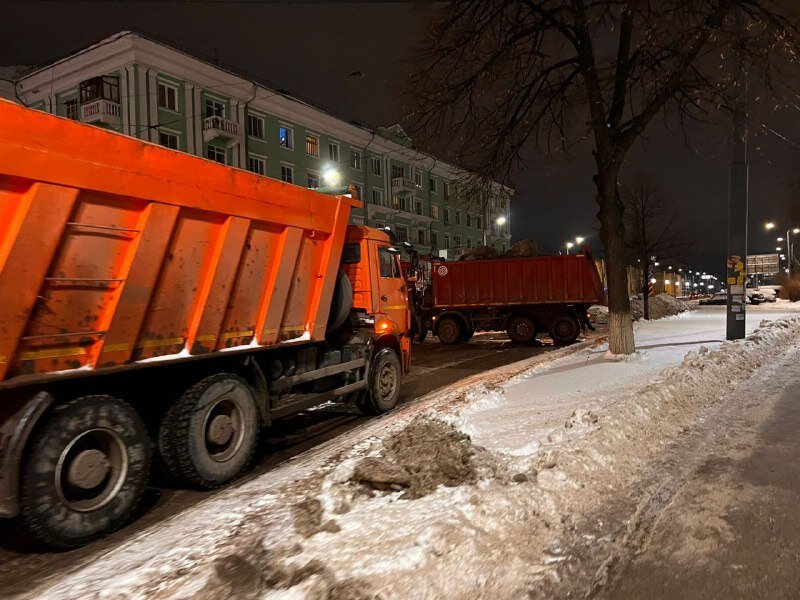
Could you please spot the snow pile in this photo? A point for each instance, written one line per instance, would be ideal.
(661, 306)
(598, 314)
(485, 513)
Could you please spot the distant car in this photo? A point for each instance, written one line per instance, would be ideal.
(718, 298)
(770, 295)
(755, 296)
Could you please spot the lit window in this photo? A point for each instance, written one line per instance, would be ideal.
(286, 138)
(312, 145)
(313, 180)
(170, 140)
(216, 154)
(257, 165)
(287, 174)
(168, 97)
(255, 126)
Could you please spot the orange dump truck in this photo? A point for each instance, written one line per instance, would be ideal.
(153, 302)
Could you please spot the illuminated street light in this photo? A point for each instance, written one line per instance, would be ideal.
(500, 220)
(332, 177)
(780, 239)
(653, 280)
(769, 226)
(569, 245)
(778, 249)
(579, 240)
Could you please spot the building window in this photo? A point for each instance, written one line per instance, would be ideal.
(312, 145)
(457, 241)
(355, 159)
(214, 108)
(256, 165)
(402, 234)
(433, 184)
(287, 174)
(255, 126)
(458, 217)
(216, 154)
(421, 236)
(286, 137)
(313, 180)
(435, 212)
(447, 216)
(377, 165)
(399, 203)
(359, 191)
(418, 207)
(418, 178)
(170, 140)
(377, 197)
(434, 239)
(71, 108)
(446, 241)
(469, 220)
(478, 223)
(398, 172)
(105, 87)
(333, 151)
(168, 97)
(446, 190)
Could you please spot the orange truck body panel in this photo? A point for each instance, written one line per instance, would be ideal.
(115, 251)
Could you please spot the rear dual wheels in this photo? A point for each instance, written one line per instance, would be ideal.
(209, 435)
(452, 330)
(564, 329)
(85, 471)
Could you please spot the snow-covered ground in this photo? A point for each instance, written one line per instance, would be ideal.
(545, 446)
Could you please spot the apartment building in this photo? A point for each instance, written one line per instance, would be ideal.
(141, 87)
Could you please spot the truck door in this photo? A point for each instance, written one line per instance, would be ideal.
(393, 300)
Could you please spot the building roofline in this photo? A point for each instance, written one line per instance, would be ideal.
(240, 73)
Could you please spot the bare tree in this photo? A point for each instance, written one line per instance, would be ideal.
(500, 76)
(651, 228)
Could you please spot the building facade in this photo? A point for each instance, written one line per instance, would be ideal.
(144, 88)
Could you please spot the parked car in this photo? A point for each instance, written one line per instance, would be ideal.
(755, 296)
(718, 298)
(770, 295)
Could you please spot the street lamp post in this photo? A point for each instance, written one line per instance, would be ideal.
(789, 245)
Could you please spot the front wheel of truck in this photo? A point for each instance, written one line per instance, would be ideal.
(85, 472)
(383, 385)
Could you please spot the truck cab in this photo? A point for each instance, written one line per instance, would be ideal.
(372, 264)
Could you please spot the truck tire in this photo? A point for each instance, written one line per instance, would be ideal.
(383, 385)
(208, 436)
(449, 330)
(85, 471)
(521, 329)
(466, 334)
(341, 303)
(564, 329)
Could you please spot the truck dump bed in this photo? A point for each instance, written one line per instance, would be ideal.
(114, 251)
(515, 281)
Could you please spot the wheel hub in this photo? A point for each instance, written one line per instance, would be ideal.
(220, 430)
(88, 469)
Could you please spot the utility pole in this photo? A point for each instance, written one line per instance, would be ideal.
(738, 201)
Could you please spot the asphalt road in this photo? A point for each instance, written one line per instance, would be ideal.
(433, 366)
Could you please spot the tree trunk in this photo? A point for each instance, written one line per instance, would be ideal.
(612, 233)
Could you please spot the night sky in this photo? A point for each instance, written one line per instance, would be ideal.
(311, 48)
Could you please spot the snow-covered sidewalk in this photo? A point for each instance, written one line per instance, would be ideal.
(410, 507)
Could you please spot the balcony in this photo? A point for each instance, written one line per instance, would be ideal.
(220, 127)
(402, 185)
(103, 111)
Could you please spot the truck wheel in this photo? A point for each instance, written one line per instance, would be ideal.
(449, 331)
(521, 329)
(85, 471)
(209, 435)
(564, 329)
(341, 303)
(383, 386)
(466, 334)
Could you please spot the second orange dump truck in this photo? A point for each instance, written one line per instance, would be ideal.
(153, 302)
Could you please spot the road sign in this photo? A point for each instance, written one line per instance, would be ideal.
(763, 264)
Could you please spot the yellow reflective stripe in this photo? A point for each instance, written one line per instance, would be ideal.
(235, 334)
(269, 331)
(395, 306)
(116, 347)
(3, 360)
(52, 353)
(209, 337)
(167, 342)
